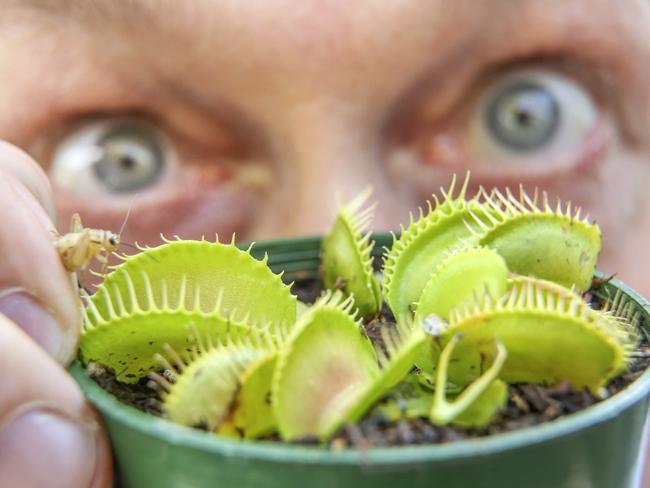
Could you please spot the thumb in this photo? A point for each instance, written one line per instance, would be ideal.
(49, 436)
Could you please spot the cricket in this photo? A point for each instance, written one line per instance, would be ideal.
(78, 247)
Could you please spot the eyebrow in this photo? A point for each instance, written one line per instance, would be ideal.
(560, 36)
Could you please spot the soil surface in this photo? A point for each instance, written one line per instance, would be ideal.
(527, 405)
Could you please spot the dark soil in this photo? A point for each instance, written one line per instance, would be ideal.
(528, 405)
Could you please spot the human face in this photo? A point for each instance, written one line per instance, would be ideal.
(252, 118)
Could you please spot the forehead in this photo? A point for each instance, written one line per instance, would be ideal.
(356, 37)
(323, 29)
(268, 54)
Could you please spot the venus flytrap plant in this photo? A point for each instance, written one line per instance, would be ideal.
(347, 375)
(486, 291)
(423, 245)
(126, 341)
(411, 400)
(396, 358)
(549, 337)
(521, 235)
(222, 384)
(625, 321)
(203, 389)
(616, 312)
(253, 415)
(479, 412)
(553, 244)
(326, 361)
(145, 302)
(476, 405)
(467, 362)
(209, 268)
(346, 256)
(550, 334)
(465, 278)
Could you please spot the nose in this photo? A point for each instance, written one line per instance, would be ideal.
(321, 168)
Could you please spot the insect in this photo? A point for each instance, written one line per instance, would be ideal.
(78, 247)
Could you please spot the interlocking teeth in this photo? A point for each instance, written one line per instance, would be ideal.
(346, 255)
(415, 255)
(541, 325)
(153, 298)
(534, 237)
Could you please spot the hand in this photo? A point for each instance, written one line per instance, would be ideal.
(49, 436)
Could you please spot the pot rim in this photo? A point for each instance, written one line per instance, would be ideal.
(279, 452)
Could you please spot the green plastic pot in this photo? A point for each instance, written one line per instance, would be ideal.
(595, 448)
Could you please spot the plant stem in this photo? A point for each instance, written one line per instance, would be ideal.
(442, 411)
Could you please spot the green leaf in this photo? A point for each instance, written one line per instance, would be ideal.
(127, 342)
(156, 297)
(422, 246)
(402, 345)
(204, 389)
(555, 245)
(461, 280)
(322, 369)
(482, 411)
(253, 415)
(407, 400)
(550, 337)
(346, 257)
(477, 404)
(410, 400)
(199, 271)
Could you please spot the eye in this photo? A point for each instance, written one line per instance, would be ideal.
(524, 116)
(114, 156)
(531, 113)
(530, 124)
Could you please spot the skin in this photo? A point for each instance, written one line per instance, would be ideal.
(273, 110)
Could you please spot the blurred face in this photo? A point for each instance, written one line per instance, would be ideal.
(219, 117)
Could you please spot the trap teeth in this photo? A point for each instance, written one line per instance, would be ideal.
(147, 302)
(249, 361)
(550, 335)
(321, 370)
(346, 256)
(552, 244)
(423, 245)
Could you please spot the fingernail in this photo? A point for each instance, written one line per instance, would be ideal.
(42, 448)
(37, 322)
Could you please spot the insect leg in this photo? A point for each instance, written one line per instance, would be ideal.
(75, 223)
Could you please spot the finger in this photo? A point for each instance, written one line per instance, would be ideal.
(21, 167)
(35, 291)
(49, 436)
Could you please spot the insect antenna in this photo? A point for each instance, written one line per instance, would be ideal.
(123, 226)
(126, 218)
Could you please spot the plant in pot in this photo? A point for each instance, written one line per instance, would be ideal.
(485, 321)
